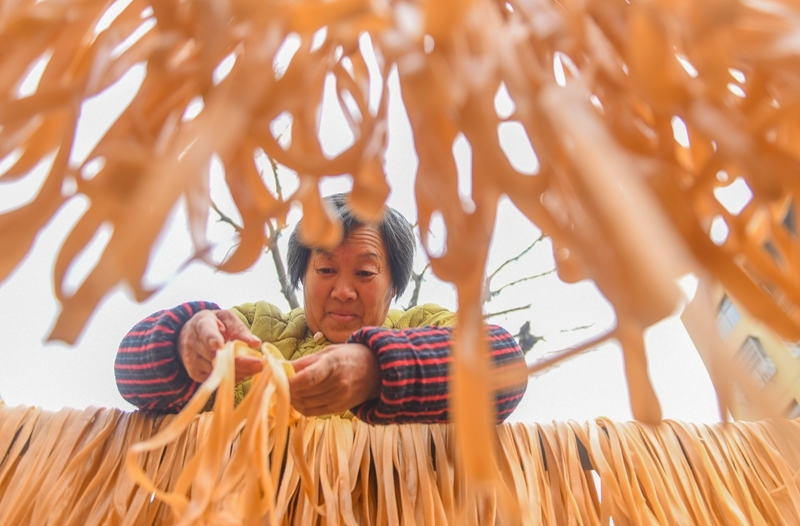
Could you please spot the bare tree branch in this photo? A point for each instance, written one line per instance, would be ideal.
(552, 359)
(280, 268)
(225, 219)
(516, 282)
(578, 328)
(273, 247)
(515, 258)
(487, 284)
(278, 187)
(500, 313)
(272, 244)
(230, 251)
(417, 279)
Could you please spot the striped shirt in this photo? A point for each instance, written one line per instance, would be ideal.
(414, 366)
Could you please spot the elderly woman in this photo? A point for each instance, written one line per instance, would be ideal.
(350, 351)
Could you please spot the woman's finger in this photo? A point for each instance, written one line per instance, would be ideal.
(309, 377)
(247, 366)
(234, 329)
(305, 362)
(199, 369)
(208, 336)
(322, 404)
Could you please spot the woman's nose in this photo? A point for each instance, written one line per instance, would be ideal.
(343, 289)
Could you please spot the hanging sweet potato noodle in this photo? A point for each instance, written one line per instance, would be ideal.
(636, 113)
(69, 468)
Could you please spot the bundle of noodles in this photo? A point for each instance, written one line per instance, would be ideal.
(69, 469)
(244, 490)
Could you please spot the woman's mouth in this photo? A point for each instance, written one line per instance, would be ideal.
(342, 317)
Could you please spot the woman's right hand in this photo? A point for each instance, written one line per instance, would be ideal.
(205, 333)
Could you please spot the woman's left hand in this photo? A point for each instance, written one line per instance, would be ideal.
(334, 379)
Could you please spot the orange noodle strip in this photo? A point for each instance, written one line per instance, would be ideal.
(222, 483)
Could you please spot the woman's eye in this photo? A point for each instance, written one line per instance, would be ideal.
(325, 270)
(365, 273)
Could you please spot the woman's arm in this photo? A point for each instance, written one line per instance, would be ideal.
(414, 365)
(148, 367)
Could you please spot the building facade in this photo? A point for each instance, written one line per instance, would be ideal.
(755, 355)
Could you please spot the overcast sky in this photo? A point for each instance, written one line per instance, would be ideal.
(53, 375)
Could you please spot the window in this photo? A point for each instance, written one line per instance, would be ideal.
(790, 220)
(739, 396)
(780, 297)
(755, 361)
(773, 252)
(727, 317)
(793, 348)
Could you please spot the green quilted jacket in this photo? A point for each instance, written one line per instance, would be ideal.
(291, 335)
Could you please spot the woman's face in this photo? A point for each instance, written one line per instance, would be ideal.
(349, 287)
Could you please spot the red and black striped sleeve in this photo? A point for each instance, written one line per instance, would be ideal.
(149, 371)
(414, 367)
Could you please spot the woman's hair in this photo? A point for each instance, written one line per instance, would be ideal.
(396, 233)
